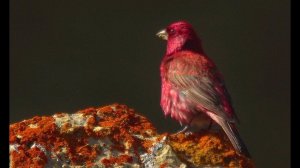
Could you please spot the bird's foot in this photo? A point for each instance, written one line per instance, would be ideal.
(188, 133)
(184, 130)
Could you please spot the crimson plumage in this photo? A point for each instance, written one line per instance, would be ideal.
(193, 91)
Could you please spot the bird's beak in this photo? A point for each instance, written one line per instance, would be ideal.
(163, 34)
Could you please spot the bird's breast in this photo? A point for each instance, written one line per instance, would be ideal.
(175, 104)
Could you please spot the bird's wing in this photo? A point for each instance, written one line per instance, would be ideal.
(199, 81)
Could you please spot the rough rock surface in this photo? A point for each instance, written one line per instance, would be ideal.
(114, 136)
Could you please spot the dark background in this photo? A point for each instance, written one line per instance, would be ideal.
(69, 55)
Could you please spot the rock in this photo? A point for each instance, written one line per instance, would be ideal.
(114, 136)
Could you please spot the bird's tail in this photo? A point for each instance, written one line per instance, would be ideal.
(232, 134)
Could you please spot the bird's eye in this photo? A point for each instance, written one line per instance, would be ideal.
(172, 31)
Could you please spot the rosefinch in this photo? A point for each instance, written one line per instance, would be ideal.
(193, 90)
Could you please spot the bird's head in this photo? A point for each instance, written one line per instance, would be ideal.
(180, 36)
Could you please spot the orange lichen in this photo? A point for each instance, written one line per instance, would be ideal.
(74, 140)
(118, 122)
(207, 148)
(38, 158)
(147, 144)
(22, 133)
(109, 162)
(164, 165)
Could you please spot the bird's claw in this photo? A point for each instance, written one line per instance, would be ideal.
(187, 133)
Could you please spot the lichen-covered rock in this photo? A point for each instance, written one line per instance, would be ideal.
(114, 136)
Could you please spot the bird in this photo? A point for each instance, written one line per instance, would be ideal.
(193, 90)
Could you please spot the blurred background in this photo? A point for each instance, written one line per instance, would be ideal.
(70, 55)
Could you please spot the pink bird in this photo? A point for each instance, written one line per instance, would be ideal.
(193, 91)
